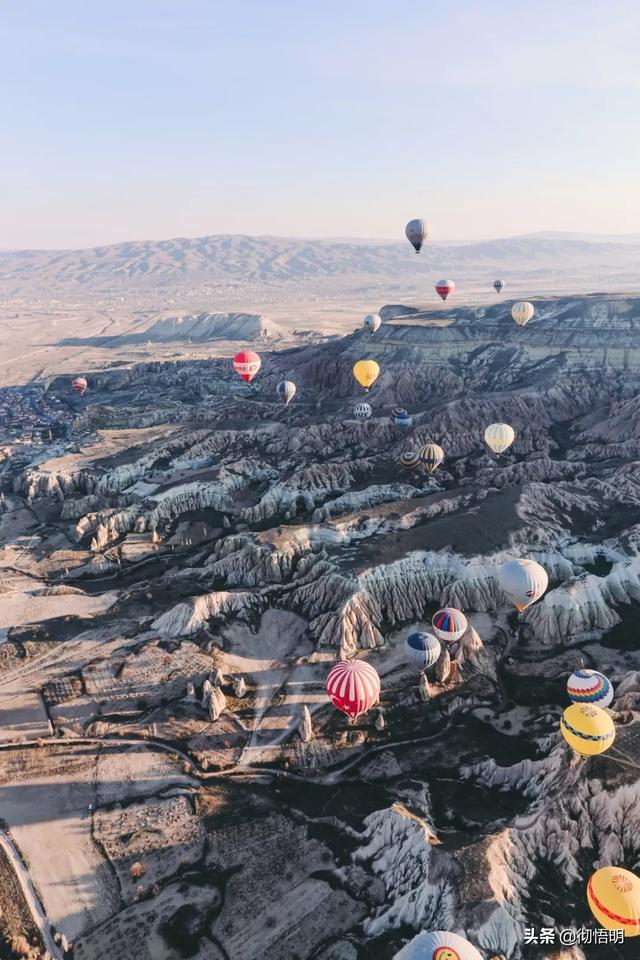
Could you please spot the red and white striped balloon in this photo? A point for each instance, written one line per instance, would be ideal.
(247, 363)
(444, 288)
(79, 385)
(353, 686)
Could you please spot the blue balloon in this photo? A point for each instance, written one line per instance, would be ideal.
(423, 648)
(401, 418)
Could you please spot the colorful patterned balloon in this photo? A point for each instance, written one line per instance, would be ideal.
(449, 624)
(439, 945)
(589, 686)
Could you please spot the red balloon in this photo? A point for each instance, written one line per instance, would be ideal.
(79, 385)
(444, 288)
(353, 686)
(246, 363)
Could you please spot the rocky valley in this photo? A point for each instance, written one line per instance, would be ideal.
(178, 577)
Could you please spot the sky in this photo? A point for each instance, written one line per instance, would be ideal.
(154, 118)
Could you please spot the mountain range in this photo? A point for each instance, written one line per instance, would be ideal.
(321, 267)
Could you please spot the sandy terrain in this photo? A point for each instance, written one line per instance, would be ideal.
(45, 796)
(269, 659)
(49, 821)
(23, 607)
(26, 910)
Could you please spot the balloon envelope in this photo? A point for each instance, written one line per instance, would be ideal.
(423, 648)
(588, 730)
(410, 459)
(444, 288)
(431, 456)
(498, 285)
(589, 686)
(372, 321)
(79, 385)
(438, 945)
(499, 436)
(613, 895)
(522, 312)
(523, 581)
(366, 372)
(353, 686)
(286, 390)
(417, 232)
(449, 624)
(247, 363)
(362, 411)
(401, 418)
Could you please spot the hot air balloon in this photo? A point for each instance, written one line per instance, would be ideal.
(403, 420)
(247, 363)
(522, 311)
(286, 390)
(353, 686)
(79, 385)
(589, 686)
(523, 581)
(444, 288)
(431, 456)
(613, 895)
(438, 945)
(410, 459)
(499, 436)
(362, 411)
(449, 624)
(366, 372)
(372, 321)
(498, 285)
(417, 232)
(587, 729)
(423, 648)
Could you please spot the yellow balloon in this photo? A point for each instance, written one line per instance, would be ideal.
(588, 729)
(366, 372)
(613, 894)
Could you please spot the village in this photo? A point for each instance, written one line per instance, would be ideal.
(31, 415)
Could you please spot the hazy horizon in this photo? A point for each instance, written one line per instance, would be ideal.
(569, 235)
(314, 121)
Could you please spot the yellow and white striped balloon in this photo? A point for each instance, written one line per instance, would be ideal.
(522, 311)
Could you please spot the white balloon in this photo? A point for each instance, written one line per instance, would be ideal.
(372, 321)
(499, 436)
(417, 232)
(286, 390)
(363, 411)
(523, 581)
(439, 945)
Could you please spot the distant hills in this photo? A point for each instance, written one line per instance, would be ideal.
(221, 264)
(586, 237)
(200, 328)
